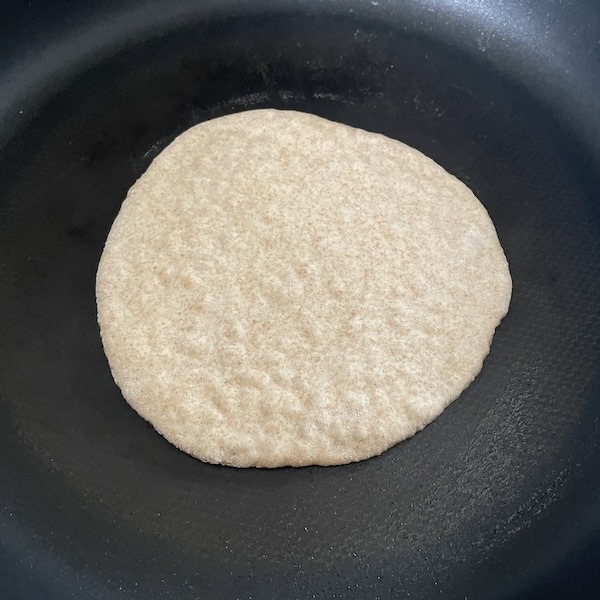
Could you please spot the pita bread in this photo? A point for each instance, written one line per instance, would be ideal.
(279, 289)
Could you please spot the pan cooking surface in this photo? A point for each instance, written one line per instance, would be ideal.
(498, 498)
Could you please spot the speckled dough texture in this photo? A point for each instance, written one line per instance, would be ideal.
(279, 289)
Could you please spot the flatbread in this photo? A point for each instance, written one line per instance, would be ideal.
(279, 289)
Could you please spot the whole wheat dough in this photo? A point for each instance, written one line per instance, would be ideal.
(279, 289)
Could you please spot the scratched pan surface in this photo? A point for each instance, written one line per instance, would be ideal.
(498, 498)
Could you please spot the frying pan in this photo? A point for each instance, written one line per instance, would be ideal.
(498, 498)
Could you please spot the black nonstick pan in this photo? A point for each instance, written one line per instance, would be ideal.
(498, 499)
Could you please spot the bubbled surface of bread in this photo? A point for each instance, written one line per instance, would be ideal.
(279, 289)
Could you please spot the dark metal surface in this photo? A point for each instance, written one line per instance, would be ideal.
(499, 498)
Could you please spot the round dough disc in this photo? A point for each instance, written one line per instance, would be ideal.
(279, 289)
